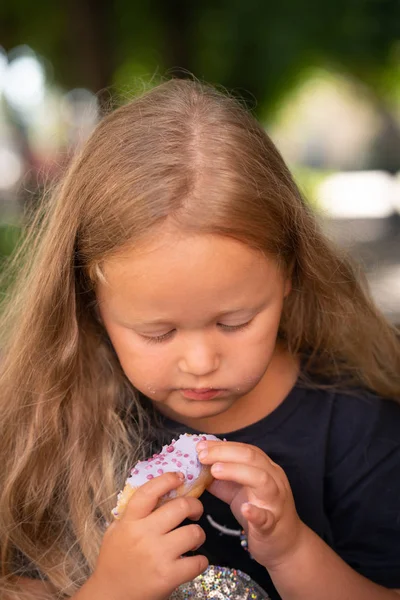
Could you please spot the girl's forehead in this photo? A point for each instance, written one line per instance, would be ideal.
(208, 271)
(186, 255)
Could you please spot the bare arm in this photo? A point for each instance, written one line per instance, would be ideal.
(315, 571)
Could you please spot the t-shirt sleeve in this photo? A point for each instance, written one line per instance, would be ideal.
(363, 487)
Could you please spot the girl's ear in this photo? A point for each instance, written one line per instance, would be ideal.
(97, 313)
(288, 287)
(288, 281)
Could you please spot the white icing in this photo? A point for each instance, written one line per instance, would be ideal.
(179, 455)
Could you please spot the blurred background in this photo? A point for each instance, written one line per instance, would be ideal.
(323, 78)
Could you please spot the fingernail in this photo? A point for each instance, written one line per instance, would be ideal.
(201, 446)
(181, 476)
(203, 454)
(217, 467)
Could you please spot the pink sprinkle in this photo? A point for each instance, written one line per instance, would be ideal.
(160, 471)
(203, 437)
(164, 463)
(155, 455)
(170, 449)
(173, 460)
(190, 477)
(158, 462)
(196, 439)
(149, 467)
(134, 472)
(179, 453)
(150, 476)
(186, 455)
(192, 462)
(178, 464)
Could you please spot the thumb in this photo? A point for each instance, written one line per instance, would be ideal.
(259, 518)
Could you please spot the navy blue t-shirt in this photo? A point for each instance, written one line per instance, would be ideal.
(341, 454)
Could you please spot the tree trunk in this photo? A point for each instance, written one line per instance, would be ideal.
(178, 18)
(91, 45)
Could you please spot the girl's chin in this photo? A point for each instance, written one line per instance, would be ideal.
(195, 409)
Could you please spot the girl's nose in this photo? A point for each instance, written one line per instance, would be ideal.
(199, 358)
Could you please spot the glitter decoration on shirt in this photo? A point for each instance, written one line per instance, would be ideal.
(220, 583)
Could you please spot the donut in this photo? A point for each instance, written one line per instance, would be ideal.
(178, 455)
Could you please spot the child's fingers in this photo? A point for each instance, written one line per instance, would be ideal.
(233, 452)
(224, 490)
(253, 477)
(258, 517)
(189, 567)
(171, 514)
(185, 539)
(146, 498)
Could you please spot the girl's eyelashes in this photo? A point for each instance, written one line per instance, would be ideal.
(234, 327)
(165, 336)
(158, 338)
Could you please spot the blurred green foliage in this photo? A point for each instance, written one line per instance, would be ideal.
(255, 47)
(308, 180)
(9, 237)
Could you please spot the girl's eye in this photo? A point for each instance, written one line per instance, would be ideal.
(165, 336)
(234, 327)
(158, 338)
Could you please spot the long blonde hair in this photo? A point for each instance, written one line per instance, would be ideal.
(70, 421)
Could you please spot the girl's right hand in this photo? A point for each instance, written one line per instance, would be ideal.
(141, 554)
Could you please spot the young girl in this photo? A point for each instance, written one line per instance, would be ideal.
(177, 282)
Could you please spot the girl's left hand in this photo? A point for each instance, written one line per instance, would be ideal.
(260, 498)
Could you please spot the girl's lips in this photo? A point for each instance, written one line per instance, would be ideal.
(206, 394)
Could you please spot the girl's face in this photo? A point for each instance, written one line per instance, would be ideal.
(193, 312)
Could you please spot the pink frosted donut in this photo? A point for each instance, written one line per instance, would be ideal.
(179, 455)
